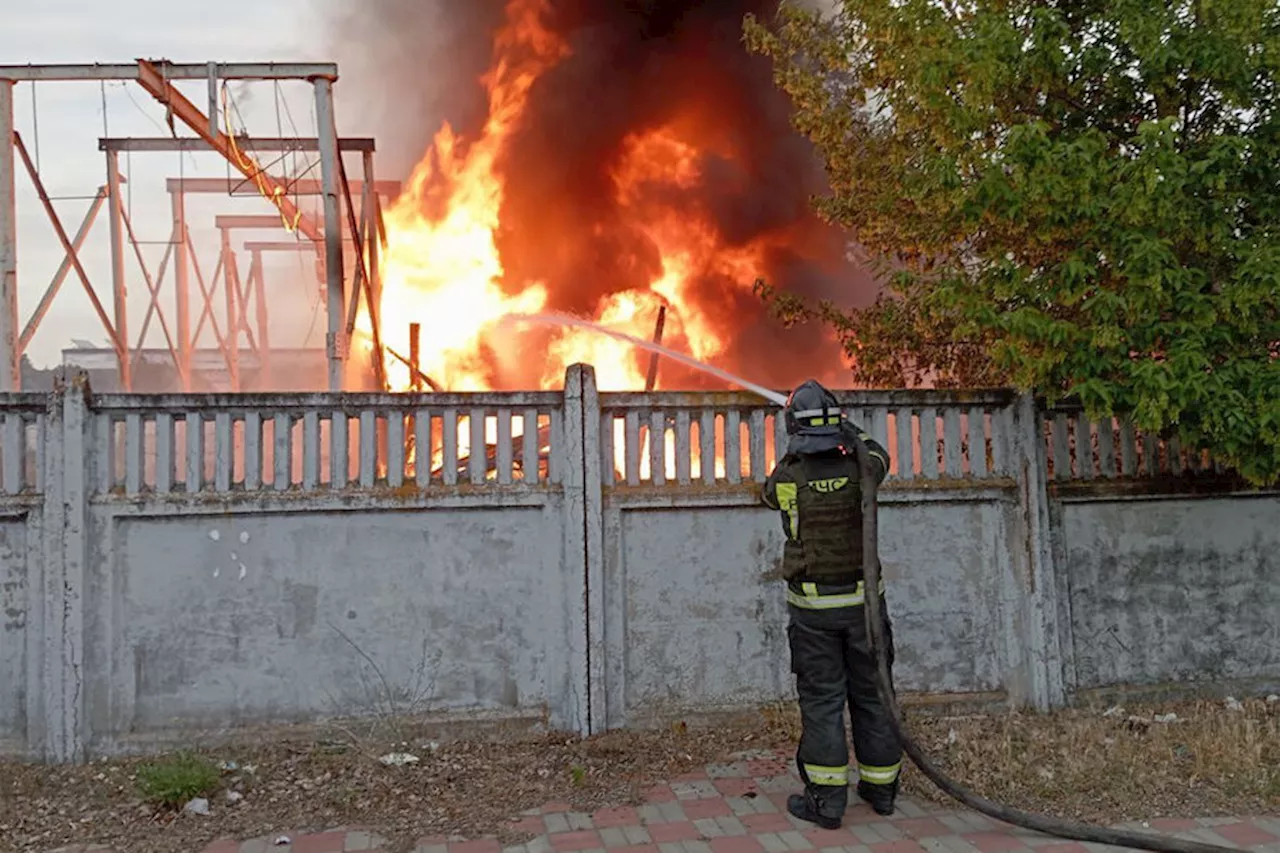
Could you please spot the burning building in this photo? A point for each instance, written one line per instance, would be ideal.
(603, 158)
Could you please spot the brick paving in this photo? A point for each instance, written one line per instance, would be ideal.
(740, 807)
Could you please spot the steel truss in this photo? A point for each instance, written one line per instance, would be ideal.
(343, 222)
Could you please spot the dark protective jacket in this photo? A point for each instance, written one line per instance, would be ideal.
(819, 498)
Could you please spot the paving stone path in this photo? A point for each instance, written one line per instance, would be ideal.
(740, 807)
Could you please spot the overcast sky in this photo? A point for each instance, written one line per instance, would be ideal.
(69, 121)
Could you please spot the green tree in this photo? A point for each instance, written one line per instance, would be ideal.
(1074, 196)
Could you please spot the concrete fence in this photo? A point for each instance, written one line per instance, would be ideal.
(179, 565)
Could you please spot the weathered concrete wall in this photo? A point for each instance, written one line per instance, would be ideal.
(209, 620)
(303, 556)
(694, 618)
(1173, 590)
(19, 571)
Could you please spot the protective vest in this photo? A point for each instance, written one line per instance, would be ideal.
(828, 536)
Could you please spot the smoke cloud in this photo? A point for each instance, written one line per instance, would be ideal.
(633, 66)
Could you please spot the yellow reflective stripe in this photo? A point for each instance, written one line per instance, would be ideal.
(811, 600)
(821, 775)
(879, 775)
(787, 503)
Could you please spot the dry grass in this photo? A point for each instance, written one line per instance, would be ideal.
(1111, 768)
(469, 788)
(1077, 764)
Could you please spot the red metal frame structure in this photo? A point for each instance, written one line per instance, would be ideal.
(158, 77)
(371, 191)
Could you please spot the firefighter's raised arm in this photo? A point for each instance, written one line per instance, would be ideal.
(878, 454)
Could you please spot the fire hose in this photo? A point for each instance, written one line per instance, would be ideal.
(1027, 820)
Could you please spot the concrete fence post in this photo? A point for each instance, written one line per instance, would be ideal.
(1038, 578)
(583, 548)
(58, 734)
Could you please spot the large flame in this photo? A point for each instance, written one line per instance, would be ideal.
(442, 268)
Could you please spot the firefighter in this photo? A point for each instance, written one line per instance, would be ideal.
(815, 487)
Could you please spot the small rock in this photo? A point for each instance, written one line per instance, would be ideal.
(283, 840)
(1113, 711)
(952, 737)
(198, 806)
(1273, 699)
(234, 797)
(1233, 704)
(1166, 718)
(229, 766)
(398, 759)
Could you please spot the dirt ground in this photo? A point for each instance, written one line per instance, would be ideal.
(1097, 764)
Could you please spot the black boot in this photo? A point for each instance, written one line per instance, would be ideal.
(804, 808)
(879, 797)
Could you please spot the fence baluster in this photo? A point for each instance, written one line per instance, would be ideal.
(906, 445)
(395, 448)
(224, 452)
(977, 423)
(952, 460)
(733, 446)
(282, 452)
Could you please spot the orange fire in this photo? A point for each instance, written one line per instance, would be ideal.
(442, 268)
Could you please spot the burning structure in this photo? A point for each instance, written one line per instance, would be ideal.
(607, 159)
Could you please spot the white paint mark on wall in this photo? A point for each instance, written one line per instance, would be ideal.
(215, 535)
(244, 537)
(243, 571)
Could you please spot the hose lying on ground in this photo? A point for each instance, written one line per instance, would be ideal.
(1028, 820)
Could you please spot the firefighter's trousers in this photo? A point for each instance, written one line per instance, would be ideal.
(834, 668)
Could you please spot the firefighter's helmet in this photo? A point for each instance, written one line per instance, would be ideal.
(813, 411)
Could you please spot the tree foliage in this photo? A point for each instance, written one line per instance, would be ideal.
(1074, 196)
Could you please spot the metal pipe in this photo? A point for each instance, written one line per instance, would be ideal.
(10, 362)
(118, 285)
(213, 98)
(237, 186)
(230, 284)
(652, 379)
(260, 308)
(415, 354)
(335, 344)
(173, 71)
(362, 280)
(164, 144)
(182, 288)
(368, 210)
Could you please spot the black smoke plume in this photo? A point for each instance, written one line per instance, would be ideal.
(634, 65)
